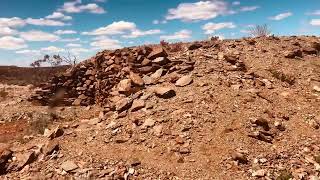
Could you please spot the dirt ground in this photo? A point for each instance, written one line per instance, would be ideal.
(228, 123)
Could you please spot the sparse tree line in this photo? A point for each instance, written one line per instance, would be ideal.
(55, 60)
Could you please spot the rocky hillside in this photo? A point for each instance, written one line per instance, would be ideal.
(231, 109)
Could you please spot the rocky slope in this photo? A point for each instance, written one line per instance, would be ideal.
(231, 109)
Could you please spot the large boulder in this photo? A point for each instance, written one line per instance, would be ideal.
(157, 52)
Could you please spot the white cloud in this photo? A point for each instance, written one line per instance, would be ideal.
(7, 31)
(155, 22)
(315, 22)
(119, 27)
(12, 22)
(69, 39)
(52, 49)
(73, 45)
(220, 36)
(58, 15)
(65, 32)
(12, 43)
(138, 33)
(45, 22)
(281, 16)
(29, 52)
(202, 10)
(249, 8)
(314, 13)
(250, 25)
(245, 31)
(106, 43)
(77, 51)
(212, 27)
(77, 7)
(180, 35)
(127, 29)
(34, 35)
(236, 3)
(97, 38)
(159, 22)
(100, 1)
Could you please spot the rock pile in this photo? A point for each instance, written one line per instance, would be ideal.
(124, 71)
(248, 110)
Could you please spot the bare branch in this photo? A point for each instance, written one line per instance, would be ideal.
(56, 60)
(260, 31)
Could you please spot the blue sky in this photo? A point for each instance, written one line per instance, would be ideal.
(31, 28)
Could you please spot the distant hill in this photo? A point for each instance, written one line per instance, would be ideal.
(28, 75)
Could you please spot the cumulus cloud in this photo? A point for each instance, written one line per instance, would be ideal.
(45, 22)
(77, 51)
(315, 22)
(52, 49)
(58, 15)
(249, 8)
(7, 31)
(124, 28)
(69, 39)
(105, 43)
(281, 16)
(12, 22)
(73, 45)
(29, 52)
(34, 35)
(180, 35)
(138, 33)
(202, 10)
(77, 7)
(12, 43)
(210, 27)
(65, 32)
(119, 27)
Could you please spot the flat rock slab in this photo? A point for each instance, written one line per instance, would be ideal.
(137, 104)
(164, 92)
(184, 80)
(157, 52)
(69, 166)
(123, 104)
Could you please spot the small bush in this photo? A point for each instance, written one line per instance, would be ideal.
(260, 31)
(164, 43)
(39, 126)
(214, 38)
(40, 122)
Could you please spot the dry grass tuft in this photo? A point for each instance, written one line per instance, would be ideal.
(40, 122)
